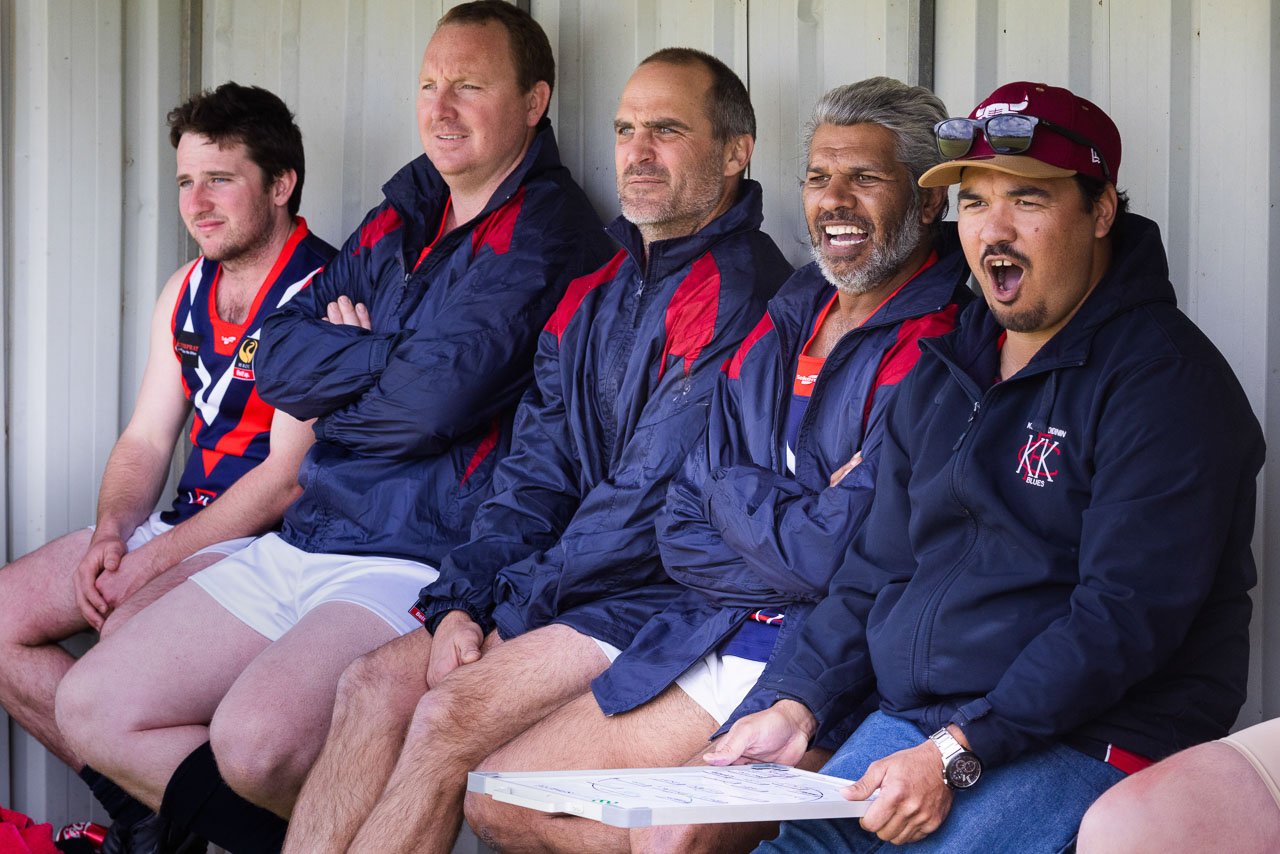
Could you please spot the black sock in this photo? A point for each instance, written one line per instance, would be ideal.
(198, 800)
(119, 804)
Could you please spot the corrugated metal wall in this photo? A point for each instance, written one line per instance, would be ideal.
(90, 231)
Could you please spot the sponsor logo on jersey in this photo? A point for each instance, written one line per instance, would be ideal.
(201, 497)
(1039, 458)
(187, 346)
(227, 339)
(243, 368)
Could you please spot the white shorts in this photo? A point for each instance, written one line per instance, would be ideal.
(152, 527)
(270, 586)
(718, 683)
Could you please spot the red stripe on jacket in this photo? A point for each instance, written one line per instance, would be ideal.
(486, 446)
(497, 228)
(762, 328)
(691, 314)
(902, 356)
(577, 292)
(387, 221)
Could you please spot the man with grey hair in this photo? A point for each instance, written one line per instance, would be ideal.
(766, 505)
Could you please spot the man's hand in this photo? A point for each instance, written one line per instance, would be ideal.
(131, 573)
(780, 733)
(342, 312)
(913, 799)
(456, 642)
(104, 554)
(840, 473)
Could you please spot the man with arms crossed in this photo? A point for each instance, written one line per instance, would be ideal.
(240, 172)
(411, 351)
(763, 511)
(563, 552)
(1041, 604)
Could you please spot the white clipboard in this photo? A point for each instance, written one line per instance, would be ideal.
(642, 797)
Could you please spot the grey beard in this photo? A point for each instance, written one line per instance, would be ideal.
(885, 260)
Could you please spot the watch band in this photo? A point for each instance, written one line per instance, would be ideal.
(960, 767)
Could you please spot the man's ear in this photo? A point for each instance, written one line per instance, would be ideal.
(282, 187)
(737, 154)
(1104, 211)
(933, 200)
(537, 99)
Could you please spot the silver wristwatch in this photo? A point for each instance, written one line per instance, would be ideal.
(960, 768)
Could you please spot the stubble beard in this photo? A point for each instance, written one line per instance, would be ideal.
(682, 210)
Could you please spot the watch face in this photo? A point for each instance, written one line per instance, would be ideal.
(964, 770)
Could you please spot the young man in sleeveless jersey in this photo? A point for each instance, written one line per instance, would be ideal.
(240, 170)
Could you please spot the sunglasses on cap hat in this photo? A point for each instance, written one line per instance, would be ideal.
(1006, 133)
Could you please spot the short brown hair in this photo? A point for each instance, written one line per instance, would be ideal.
(249, 115)
(530, 50)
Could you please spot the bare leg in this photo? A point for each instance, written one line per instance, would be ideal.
(155, 589)
(271, 725)
(37, 609)
(457, 724)
(715, 838)
(137, 704)
(376, 697)
(663, 732)
(1207, 798)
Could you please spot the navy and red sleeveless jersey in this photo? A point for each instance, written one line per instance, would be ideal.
(232, 425)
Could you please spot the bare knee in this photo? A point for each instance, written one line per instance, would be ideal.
(85, 715)
(258, 755)
(1117, 821)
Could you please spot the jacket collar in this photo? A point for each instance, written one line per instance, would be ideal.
(418, 191)
(669, 256)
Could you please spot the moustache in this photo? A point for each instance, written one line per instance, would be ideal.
(644, 170)
(1007, 251)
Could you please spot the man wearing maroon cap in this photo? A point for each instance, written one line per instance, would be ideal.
(1051, 589)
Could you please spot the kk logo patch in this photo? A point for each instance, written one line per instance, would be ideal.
(1038, 459)
(243, 368)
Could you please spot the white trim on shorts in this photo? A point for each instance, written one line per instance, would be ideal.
(718, 683)
(152, 527)
(270, 586)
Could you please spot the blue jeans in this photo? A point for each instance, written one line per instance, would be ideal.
(1032, 804)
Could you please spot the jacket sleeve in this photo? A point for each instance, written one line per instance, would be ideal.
(536, 491)
(466, 363)
(309, 367)
(610, 544)
(1154, 537)
(826, 665)
(748, 536)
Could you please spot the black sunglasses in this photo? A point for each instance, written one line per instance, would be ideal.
(1006, 133)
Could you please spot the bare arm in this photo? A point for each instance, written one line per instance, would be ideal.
(138, 465)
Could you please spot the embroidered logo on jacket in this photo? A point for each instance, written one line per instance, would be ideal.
(1038, 459)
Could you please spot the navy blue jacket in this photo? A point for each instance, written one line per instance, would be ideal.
(413, 415)
(739, 532)
(624, 371)
(1060, 557)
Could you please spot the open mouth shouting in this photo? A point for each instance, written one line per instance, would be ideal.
(1005, 269)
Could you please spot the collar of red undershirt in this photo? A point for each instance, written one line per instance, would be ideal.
(444, 218)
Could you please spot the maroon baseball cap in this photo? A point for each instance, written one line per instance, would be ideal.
(1051, 154)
